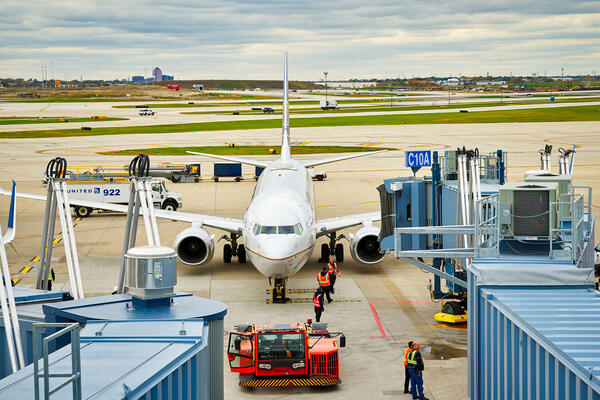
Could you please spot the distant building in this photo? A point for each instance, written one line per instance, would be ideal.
(167, 77)
(151, 79)
(489, 83)
(157, 74)
(450, 82)
(137, 79)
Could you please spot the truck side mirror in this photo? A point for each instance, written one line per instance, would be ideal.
(343, 341)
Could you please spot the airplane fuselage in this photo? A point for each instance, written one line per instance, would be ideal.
(279, 224)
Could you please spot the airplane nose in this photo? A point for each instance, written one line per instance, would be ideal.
(277, 249)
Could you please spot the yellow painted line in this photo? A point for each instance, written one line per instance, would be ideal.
(26, 269)
(36, 259)
(373, 144)
(45, 107)
(302, 144)
(16, 280)
(158, 145)
(329, 205)
(369, 202)
(56, 240)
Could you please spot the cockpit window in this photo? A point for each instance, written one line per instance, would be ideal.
(278, 230)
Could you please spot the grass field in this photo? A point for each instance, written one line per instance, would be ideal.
(18, 121)
(234, 103)
(242, 150)
(556, 114)
(395, 107)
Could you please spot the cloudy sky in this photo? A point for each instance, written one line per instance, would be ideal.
(207, 39)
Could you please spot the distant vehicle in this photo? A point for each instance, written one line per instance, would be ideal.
(108, 192)
(329, 105)
(174, 87)
(268, 110)
(597, 262)
(146, 111)
(316, 174)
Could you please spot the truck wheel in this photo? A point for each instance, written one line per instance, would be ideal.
(169, 205)
(83, 212)
(241, 254)
(453, 308)
(227, 253)
(237, 179)
(216, 179)
(320, 177)
(339, 252)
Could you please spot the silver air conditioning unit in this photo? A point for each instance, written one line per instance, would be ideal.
(526, 210)
(151, 272)
(564, 188)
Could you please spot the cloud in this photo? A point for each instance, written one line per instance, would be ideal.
(246, 39)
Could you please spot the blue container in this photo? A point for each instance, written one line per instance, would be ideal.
(152, 359)
(29, 310)
(258, 170)
(194, 169)
(225, 170)
(534, 330)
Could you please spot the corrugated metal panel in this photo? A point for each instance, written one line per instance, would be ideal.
(133, 360)
(534, 342)
(216, 345)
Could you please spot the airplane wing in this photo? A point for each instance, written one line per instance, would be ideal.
(12, 217)
(312, 163)
(226, 224)
(326, 226)
(234, 159)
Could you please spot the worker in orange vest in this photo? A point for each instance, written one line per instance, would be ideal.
(406, 371)
(324, 282)
(333, 271)
(318, 303)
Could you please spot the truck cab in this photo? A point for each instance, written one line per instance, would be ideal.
(294, 354)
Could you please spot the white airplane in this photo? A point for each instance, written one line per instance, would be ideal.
(279, 226)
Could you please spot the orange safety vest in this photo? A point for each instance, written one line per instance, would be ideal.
(406, 353)
(316, 301)
(323, 279)
(333, 269)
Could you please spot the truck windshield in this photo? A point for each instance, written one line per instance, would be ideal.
(280, 346)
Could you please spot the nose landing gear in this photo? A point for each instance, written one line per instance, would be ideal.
(279, 290)
(333, 248)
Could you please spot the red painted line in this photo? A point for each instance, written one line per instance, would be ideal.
(376, 316)
(381, 330)
(593, 205)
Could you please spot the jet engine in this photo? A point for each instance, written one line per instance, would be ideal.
(364, 245)
(194, 246)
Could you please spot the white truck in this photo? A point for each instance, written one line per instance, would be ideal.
(117, 192)
(329, 105)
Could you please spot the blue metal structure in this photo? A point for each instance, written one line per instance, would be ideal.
(29, 307)
(152, 359)
(533, 324)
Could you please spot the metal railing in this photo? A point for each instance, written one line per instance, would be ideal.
(485, 232)
(74, 377)
(566, 240)
(489, 168)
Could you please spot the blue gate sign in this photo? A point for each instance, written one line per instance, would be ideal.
(418, 159)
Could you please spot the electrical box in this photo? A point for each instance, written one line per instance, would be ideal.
(527, 211)
(564, 188)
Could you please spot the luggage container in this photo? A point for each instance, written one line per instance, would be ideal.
(227, 170)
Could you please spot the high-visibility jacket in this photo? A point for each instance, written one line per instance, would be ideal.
(317, 300)
(51, 274)
(411, 360)
(323, 279)
(408, 350)
(333, 268)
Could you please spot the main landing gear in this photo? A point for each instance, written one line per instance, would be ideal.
(333, 248)
(233, 249)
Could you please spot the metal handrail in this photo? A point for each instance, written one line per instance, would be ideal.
(573, 246)
(488, 167)
(74, 377)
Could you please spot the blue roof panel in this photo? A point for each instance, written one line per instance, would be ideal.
(564, 320)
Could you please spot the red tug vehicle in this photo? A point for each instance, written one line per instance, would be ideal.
(274, 355)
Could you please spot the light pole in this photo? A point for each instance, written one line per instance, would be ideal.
(326, 102)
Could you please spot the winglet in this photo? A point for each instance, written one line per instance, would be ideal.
(12, 217)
